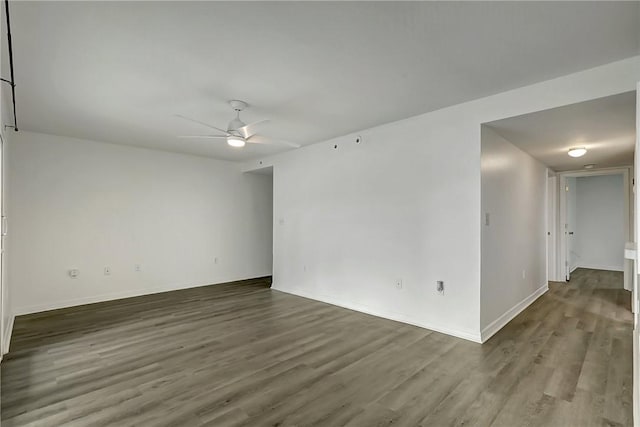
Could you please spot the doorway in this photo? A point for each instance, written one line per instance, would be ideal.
(265, 175)
(595, 220)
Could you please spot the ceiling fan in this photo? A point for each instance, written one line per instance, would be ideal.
(238, 133)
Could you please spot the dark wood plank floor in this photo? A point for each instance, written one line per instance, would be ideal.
(242, 354)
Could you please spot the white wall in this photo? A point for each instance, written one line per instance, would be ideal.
(600, 230)
(351, 221)
(81, 204)
(405, 203)
(514, 242)
(6, 117)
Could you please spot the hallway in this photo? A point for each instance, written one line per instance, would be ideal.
(590, 350)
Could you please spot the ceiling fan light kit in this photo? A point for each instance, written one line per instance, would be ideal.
(235, 141)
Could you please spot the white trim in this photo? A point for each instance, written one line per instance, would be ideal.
(20, 311)
(636, 375)
(493, 327)
(625, 171)
(601, 267)
(6, 336)
(466, 335)
(552, 228)
(4, 290)
(635, 295)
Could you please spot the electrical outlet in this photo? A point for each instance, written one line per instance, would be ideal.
(107, 271)
(524, 274)
(399, 284)
(216, 260)
(137, 268)
(440, 286)
(73, 273)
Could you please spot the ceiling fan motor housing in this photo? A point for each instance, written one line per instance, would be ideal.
(235, 124)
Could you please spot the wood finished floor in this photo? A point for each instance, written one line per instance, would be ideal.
(242, 354)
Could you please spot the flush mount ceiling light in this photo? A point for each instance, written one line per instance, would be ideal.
(235, 141)
(577, 152)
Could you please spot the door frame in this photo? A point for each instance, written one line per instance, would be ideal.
(4, 346)
(552, 226)
(561, 232)
(635, 295)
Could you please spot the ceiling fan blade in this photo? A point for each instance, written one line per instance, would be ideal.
(204, 136)
(244, 130)
(255, 139)
(202, 123)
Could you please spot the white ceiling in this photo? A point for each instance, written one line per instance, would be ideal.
(605, 126)
(119, 71)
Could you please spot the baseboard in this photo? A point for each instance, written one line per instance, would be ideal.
(38, 308)
(636, 378)
(466, 335)
(501, 321)
(6, 337)
(601, 267)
